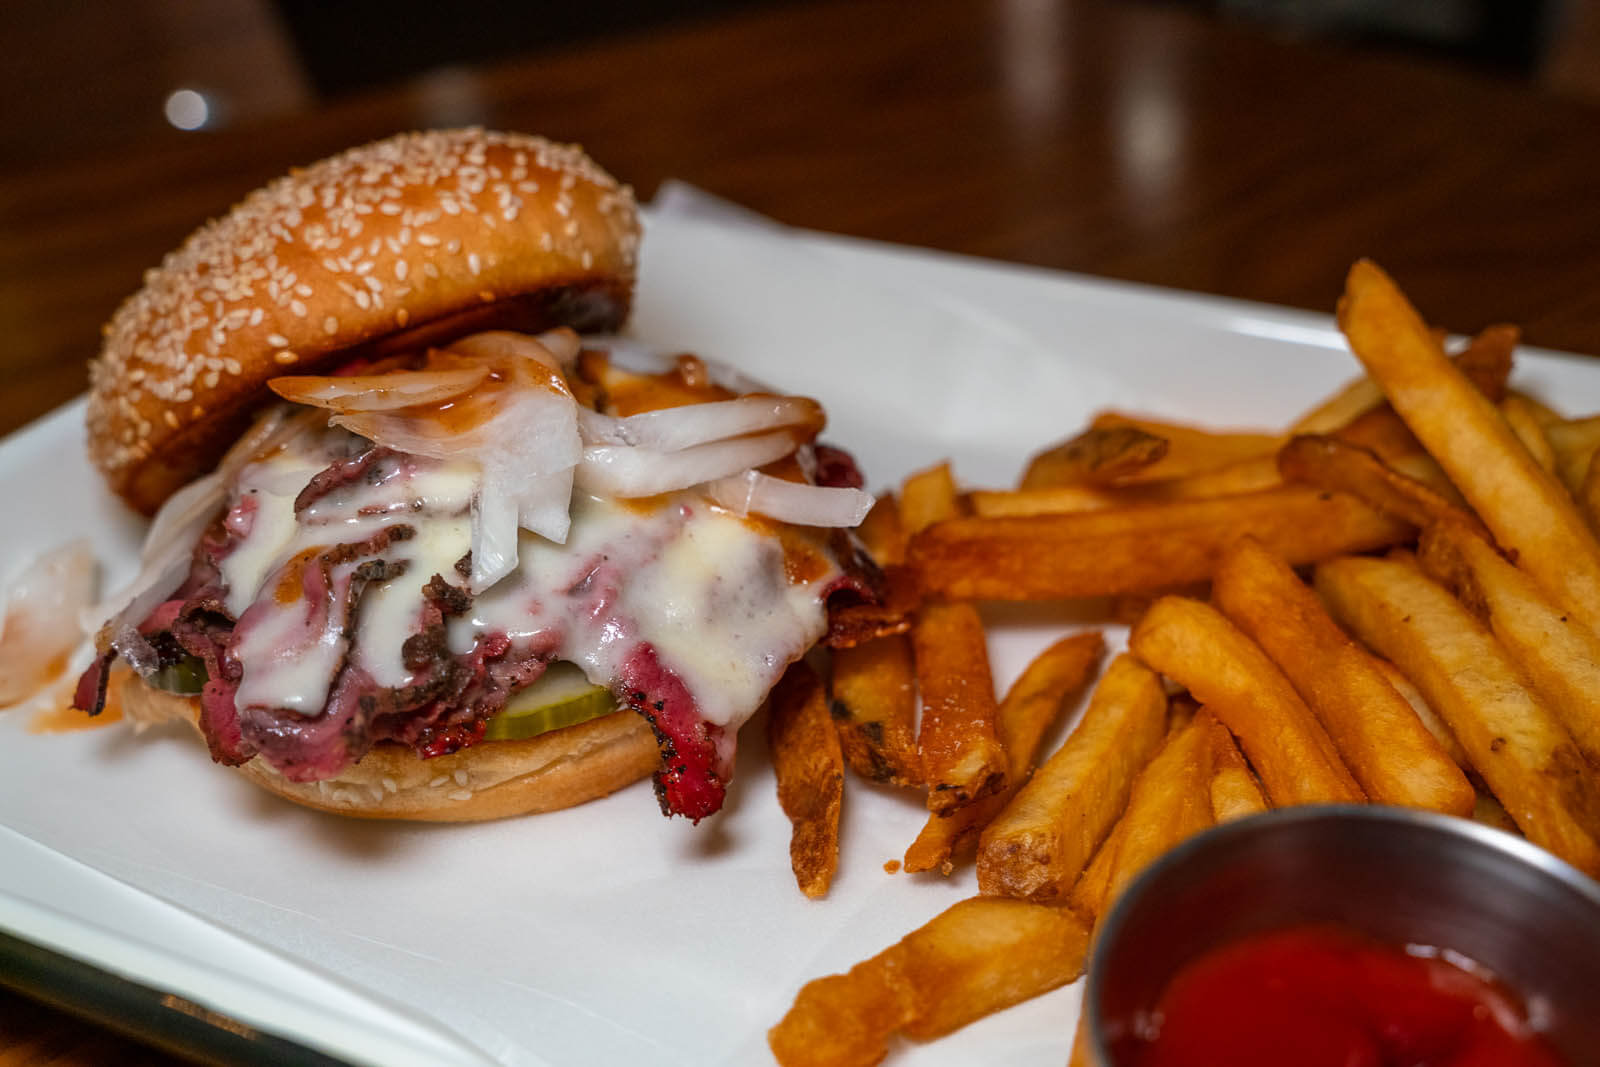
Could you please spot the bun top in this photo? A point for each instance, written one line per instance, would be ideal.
(426, 235)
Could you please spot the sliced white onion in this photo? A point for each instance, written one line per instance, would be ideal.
(554, 348)
(795, 502)
(165, 558)
(39, 618)
(624, 471)
(380, 392)
(494, 537)
(673, 429)
(632, 354)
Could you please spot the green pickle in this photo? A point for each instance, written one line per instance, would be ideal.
(561, 697)
(185, 677)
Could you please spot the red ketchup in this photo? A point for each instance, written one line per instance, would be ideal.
(1322, 996)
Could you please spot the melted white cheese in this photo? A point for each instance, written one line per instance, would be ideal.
(706, 589)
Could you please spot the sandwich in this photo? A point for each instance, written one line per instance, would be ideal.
(430, 539)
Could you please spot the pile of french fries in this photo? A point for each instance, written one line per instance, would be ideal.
(1395, 601)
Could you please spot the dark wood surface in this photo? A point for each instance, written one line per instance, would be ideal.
(1130, 141)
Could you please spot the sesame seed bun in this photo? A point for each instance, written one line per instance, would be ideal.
(489, 780)
(427, 235)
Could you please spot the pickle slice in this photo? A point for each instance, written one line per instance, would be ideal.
(185, 677)
(561, 697)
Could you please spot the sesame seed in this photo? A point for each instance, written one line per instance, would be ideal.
(182, 330)
(285, 357)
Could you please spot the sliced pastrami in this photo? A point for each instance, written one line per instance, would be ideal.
(695, 768)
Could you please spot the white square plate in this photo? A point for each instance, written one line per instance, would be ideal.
(607, 934)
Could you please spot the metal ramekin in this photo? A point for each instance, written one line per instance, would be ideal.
(1401, 876)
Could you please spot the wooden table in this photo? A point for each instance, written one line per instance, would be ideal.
(1133, 142)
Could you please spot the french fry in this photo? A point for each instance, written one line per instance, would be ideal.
(1428, 717)
(1381, 432)
(1560, 659)
(1574, 442)
(1543, 413)
(927, 497)
(1171, 801)
(1098, 456)
(883, 531)
(973, 959)
(1088, 894)
(1524, 754)
(1052, 500)
(1345, 405)
(1139, 549)
(962, 759)
(810, 772)
(1588, 495)
(1235, 793)
(1490, 812)
(1523, 506)
(1330, 463)
(1190, 449)
(1195, 646)
(1038, 845)
(1245, 476)
(1031, 706)
(873, 684)
(1526, 427)
(1486, 361)
(1387, 749)
(874, 690)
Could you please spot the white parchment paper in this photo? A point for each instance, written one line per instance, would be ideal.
(607, 934)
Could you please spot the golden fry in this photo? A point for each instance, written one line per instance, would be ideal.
(1524, 422)
(810, 772)
(1486, 362)
(883, 532)
(1381, 432)
(1588, 495)
(1138, 549)
(973, 959)
(1190, 449)
(1235, 793)
(1511, 493)
(1245, 476)
(1330, 463)
(927, 497)
(1031, 706)
(1098, 456)
(1428, 717)
(1558, 657)
(875, 709)
(1574, 442)
(1344, 406)
(1038, 845)
(1524, 754)
(962, 759)
(1088, 894)
(1383, 743)
(1171, 801)
(1195, 646)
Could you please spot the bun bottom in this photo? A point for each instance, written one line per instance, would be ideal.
(489, 780)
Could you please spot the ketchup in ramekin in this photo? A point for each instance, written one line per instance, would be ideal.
(1325, 996)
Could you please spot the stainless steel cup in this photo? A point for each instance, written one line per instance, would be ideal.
(1401, 876)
